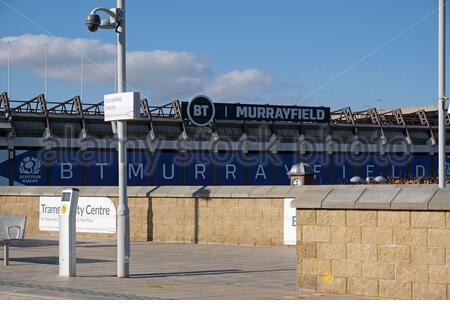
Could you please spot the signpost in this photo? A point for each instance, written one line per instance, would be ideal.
(122, 106)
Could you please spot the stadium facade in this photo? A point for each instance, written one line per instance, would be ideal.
(205, 143)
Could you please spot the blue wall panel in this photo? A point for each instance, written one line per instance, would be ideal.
(343, 168)
(229, 168)
(30, 168)
(283, 163)
(397, 166)
(66, 168)
(259, 168)
(200, 169)
(320, 163)
(168, 168)
(421, 166)
(4, 168)
(139, 167)
(101, 168)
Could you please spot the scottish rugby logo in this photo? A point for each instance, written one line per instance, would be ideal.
(30, 170)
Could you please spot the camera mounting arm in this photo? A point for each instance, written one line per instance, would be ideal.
(116, 17)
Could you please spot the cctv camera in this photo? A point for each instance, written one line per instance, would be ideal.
(93, 22)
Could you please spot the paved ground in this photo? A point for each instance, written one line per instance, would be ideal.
(158, 271)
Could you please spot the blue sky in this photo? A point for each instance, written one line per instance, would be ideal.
(332, 53)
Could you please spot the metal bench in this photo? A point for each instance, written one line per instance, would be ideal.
(12, 228)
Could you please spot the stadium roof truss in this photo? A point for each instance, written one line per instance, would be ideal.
(39, 118)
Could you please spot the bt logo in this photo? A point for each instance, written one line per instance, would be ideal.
(201, 111)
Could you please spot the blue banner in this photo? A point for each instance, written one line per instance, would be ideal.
(30, 168)
(99, 167)
(229, 168)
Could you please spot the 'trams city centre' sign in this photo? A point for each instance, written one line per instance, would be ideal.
(201, 111)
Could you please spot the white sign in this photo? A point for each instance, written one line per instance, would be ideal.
(94, 215)
(290, 223)
(122, 106)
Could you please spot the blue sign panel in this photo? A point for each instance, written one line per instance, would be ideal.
(168, 168)
(229, 168)
(397, 165)
(65, 167)
(139, 167)
(4, 168)
(260, 168)
(101, 167)
(320, 163)
(201, 169)
(344, 168)
(368, 165)
(421, 166)
(283, 164)
(30, 168)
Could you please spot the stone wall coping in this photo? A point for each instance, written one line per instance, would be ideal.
(373, 197)
(160, 191)
(368, 197)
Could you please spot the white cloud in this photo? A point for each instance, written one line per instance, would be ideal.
(238, 85)
(161, 75)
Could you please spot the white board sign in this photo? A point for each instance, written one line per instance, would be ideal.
(290, 223)
(122, 106)
(94, 215)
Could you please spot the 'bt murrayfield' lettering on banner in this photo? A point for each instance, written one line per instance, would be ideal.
(253, 112)
(94, 215)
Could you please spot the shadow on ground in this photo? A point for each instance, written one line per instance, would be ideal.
(46, 243)
(201, 273)
(53, 260)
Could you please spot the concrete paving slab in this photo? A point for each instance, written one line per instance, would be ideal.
(262, 192)
(88, 191)
(134, 190)
(242, 192)
(280, 191)
(206, 192)
(414, 197)
(343, 197)
(29, 191)
(309, 197)
(224, 191)
(50, 191)
(378, 197)
(105, 191)
(440, 200)
(4, 191)
(161, 191)
(146, 191)
(158, 271)
(183, 191)
(14, 190)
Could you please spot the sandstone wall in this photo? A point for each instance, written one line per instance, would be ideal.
(401, 250)
(223, 215)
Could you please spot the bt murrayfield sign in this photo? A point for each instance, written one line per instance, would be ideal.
(201, 111)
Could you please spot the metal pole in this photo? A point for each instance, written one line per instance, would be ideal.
(45, 70)
(442, 98)
(123, 217)
(9, 67)
(81, 77)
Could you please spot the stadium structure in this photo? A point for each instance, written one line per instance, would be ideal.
(69, 143)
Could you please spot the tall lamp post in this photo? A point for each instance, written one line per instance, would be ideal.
(442, 98)
(117, 21)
